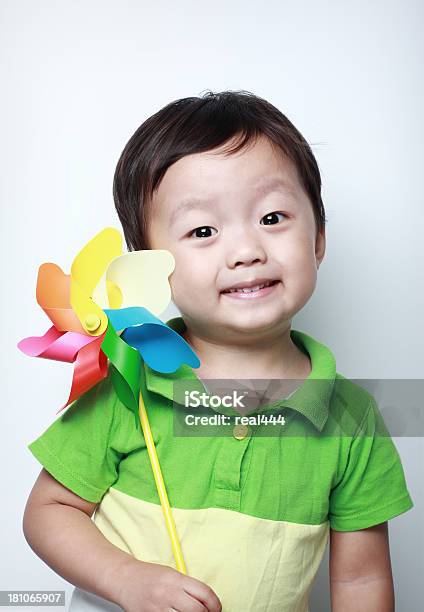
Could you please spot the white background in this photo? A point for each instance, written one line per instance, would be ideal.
(79, 77)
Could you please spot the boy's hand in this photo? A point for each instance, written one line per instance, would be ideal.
(152, 587)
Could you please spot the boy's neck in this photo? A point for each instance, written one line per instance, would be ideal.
(276, 359)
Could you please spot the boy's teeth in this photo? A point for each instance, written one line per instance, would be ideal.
(249, 289)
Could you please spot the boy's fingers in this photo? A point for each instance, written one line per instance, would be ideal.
(204, 594)
(184, 602)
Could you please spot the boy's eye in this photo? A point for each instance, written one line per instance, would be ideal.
(269, 217)
(269, 220)
(202, 230)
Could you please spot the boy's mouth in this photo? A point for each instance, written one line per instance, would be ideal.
(259, 289)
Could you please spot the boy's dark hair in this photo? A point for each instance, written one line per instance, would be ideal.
(195, 125)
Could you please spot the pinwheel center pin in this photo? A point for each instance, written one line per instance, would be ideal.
(92, 322)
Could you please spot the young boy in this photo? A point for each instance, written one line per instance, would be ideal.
(229, 186)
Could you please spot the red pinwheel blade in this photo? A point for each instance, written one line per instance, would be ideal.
(90, 368)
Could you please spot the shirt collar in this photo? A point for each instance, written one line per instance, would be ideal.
(312, 398)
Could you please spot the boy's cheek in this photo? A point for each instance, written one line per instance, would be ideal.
(300, 258)
(193, 273)
(305, 284)
(182, 290)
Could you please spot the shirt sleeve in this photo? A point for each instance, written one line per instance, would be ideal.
(372, 488)
(77, 448)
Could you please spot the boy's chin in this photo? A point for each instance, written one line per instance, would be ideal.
(253, 325)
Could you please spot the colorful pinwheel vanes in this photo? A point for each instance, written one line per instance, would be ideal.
(105, 311)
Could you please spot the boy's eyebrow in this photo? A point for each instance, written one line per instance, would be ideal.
(188, 204)
(264, 186)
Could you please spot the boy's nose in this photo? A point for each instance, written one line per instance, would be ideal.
(246, 253)
(247, 261)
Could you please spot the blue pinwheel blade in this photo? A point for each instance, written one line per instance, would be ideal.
(161, 347)
(121, 318)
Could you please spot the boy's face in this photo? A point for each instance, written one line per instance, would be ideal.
(247, 229)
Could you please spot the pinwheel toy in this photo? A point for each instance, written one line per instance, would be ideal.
(104, 317)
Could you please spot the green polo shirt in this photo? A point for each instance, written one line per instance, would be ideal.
(252, 510)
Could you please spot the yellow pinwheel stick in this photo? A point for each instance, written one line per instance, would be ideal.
(160, 485)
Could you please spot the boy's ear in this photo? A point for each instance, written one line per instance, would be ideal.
(320, 247)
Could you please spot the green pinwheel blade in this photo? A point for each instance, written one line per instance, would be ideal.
(125, 373)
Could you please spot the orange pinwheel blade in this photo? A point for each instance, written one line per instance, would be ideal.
(53, 295)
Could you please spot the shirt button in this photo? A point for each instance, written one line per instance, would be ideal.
(240, 431)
